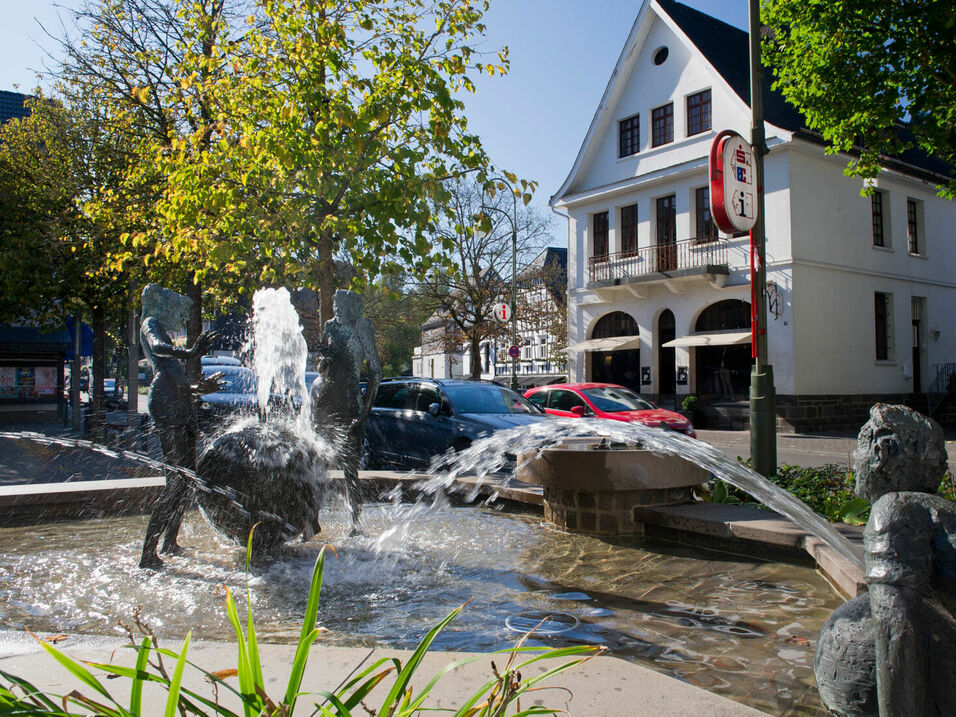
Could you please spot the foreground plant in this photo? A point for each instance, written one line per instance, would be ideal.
(494, 697)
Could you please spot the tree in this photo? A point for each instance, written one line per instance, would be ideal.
(478, 227)
(859, 70)
(55, 255)
(148, 64)
(335, 127)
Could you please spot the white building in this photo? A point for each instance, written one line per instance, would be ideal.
(541, 295)
(860, 289)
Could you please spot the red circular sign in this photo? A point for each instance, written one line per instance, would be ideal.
(514, 351)
(733, 183)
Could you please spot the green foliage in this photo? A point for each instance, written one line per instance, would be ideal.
(860, 68)
(494, 697)
(689, 403)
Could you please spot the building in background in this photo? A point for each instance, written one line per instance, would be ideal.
(859, 288)
(541, 326)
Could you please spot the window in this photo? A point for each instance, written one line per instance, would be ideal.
(539, 398)
(629, 229)
(599, 223)
(876, 204)
(883, 320)
(706, 229)
(662, 125)
(630, 136)
(562, 400)
(666, 220)
(698, 113)
(913, 225)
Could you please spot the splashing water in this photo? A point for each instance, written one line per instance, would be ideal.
(491, 454)
(279, 355)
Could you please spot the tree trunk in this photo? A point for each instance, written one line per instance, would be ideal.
(326, 275)
(98, 414)
(475, 357)
(193, 329)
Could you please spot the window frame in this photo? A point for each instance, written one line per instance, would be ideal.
(883, 326)
(668, 203)
(629, 229)
(878, 219)
(914, 224)
(604, 233)
(702, 235)
(703, 110)
(662, 125)
(629, 136)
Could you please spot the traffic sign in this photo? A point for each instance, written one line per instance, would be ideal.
(514, 351)
(733, 186)
(502, 312)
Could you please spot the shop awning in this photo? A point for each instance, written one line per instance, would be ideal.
(615, 343)
(717, 338)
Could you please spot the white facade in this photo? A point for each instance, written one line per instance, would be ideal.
(821, 259)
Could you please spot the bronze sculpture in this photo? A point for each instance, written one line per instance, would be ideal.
(171, 406)
(339, 408)
(890, 652)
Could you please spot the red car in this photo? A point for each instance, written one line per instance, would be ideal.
(605, 400)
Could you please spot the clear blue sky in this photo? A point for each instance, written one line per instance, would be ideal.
(532, 121)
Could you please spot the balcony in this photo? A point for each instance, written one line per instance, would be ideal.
(663, 261)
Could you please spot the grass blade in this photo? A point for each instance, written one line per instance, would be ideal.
(254, 661)
(308, 634)
(404, 677)
(31, 692)
(246, 686)
(75, 669)
(172, 700)
(136, 690)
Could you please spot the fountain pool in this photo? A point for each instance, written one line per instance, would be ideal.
(739, 627)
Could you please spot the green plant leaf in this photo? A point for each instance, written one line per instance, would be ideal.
(246, 686)
(854, 511)
(254, 661)
(76, 669)
(404, 677)
(136, 689)
(308, 634)
(172, 700)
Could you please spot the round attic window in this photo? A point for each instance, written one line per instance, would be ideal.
(660, 55)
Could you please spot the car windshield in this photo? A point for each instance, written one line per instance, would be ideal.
(613, 399)
(234, 380)
(483, 398)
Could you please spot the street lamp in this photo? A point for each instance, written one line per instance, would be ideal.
(513, 219)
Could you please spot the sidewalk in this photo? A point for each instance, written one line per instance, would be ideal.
(803, 449)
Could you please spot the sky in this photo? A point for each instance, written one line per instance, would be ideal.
(532, 121)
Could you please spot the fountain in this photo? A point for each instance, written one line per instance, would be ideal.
(718, 621)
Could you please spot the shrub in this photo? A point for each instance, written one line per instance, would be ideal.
(689, 403)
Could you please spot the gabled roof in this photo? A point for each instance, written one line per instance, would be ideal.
(12, 105)
(727, 49)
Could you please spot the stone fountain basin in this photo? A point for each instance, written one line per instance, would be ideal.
(587, 466)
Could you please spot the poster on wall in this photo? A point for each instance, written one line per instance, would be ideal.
(26, 382)
(45, 381)
(8, 382)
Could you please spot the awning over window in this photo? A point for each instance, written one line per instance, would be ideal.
(716, 338)
(615, 343)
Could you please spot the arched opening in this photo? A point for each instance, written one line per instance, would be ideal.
(621, 366)
(723, 372)
(666, 365)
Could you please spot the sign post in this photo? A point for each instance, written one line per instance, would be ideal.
(737, 204)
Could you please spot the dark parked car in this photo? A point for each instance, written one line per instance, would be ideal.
(113, 393)
(236, 396)
(414, 419)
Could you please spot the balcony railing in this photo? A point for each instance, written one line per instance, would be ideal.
(687, 254)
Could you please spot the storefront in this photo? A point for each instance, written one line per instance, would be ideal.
(32, 375)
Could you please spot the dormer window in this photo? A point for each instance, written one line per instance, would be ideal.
(630, 136)
(698, 113)
(662, 125)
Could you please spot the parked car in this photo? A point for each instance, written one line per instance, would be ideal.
(235, 398)
(415, 419)
(210, 360)
(113, 394)
(605, 400)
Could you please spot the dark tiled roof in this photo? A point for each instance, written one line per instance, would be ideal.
(727, 48)
(12, 105)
